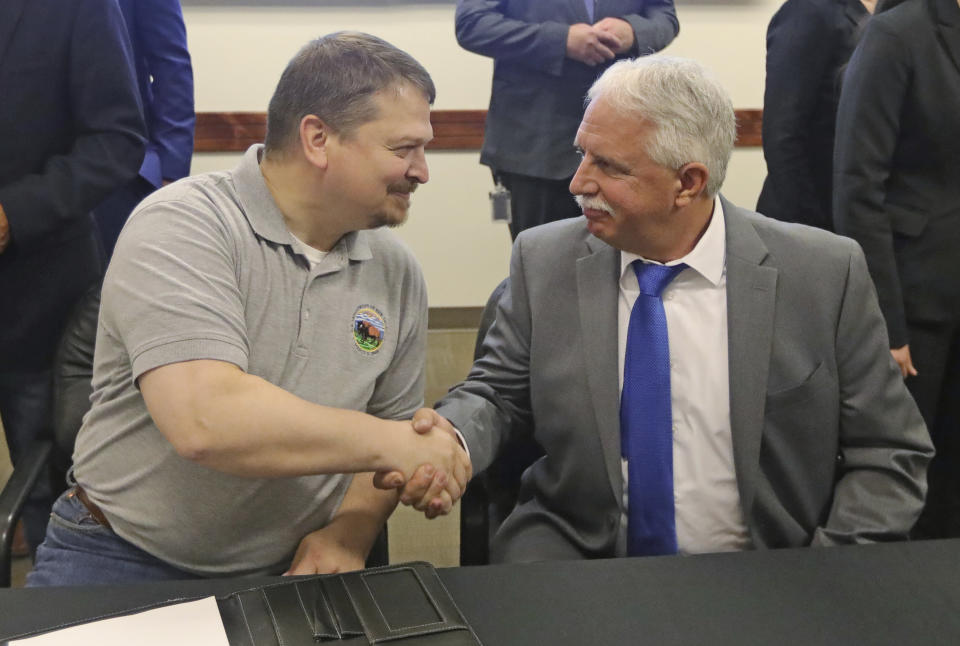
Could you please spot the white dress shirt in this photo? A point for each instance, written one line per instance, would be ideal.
(707, 501)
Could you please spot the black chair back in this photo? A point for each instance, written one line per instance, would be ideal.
(73, 375)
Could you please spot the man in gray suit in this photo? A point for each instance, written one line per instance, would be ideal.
(786, 422)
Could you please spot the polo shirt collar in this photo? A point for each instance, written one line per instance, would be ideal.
(265, 218)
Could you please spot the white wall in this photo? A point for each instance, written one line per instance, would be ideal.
(240, 49)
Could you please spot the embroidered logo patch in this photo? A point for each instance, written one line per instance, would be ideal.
(368, 328)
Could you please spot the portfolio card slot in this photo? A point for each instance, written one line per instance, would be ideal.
(342, 607)
(318, 609)
(246, 619)
(234, 621)
(402, 599)
(290, 620)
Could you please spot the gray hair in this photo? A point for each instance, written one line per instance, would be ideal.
(335, 78)
(691, 113)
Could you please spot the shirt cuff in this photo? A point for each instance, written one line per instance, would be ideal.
(463, 442)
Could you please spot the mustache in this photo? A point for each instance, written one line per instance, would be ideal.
(407, 186)
(593, 203)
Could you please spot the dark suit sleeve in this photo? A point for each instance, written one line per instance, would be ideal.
(800, 46)
(875, 85)
(170, 117)
(483, 28)
(108, 123)
(655, 25)
(884, 448)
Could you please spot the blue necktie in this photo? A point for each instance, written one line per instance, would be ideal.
(589, 4)
(646, 418)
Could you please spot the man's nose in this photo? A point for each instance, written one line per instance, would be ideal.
(581, 184)
(418, 167)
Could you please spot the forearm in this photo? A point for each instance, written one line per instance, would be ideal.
(883, 445)
(344, 543)
(655, 28)
(362, 514)
(223, 418)
(482, 28)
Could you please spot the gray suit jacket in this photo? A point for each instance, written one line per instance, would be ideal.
(829, 447)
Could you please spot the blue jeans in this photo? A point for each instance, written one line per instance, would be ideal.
(78, 550)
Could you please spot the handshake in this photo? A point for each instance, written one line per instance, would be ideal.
(431, 468)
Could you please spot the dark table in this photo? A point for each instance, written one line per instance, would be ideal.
(905, 593)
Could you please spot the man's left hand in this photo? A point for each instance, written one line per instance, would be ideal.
(619, 28)
(4, 230)
(322, 552)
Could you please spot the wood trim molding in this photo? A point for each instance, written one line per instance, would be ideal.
(452, 129)
(749, 128)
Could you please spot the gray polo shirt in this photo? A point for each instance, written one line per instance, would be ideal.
(205, 269)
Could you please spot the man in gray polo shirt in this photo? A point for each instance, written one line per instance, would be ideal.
(256, 329)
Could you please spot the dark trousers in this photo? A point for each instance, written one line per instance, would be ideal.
(25, 406)
(112, 214)
(535, 201)
(935, 351)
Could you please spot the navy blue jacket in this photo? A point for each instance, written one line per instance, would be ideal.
(165, 80)
(808, 43)
(71, 132)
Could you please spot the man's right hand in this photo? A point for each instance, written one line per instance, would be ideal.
(442, 468)
(591, 46)
(902, 357)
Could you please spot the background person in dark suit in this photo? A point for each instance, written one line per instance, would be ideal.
(71, 131)
(787, 422)
(897, 193)
(808, 43)
(546, 54)
(165, 80)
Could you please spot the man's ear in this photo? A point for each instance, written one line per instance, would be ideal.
(315, 137)
(693, 183)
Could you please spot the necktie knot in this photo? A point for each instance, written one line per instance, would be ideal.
(653, 279)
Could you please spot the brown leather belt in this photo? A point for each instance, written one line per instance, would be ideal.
(95, 512)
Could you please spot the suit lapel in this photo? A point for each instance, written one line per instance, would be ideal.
(946, 21)
(751, 294)
(597, 290)
(854, 11)
(10, 12)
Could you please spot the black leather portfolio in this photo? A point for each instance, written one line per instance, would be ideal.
(406, 604)
(403, 605)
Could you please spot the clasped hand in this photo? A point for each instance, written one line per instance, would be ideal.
(437, 470)
(600, 42)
